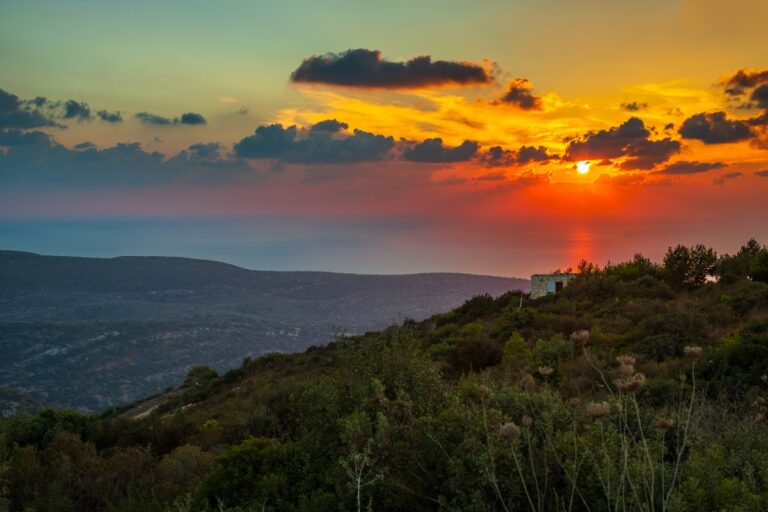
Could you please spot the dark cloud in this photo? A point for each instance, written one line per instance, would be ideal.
(147, 118)
(110, 117)
(45, 163)
(520, 93)
(759, 121)
(760, 96)
(190, 118)
(208, 150)
(646, 154)
(433, 151)
(42, 112)
(9, 102)
(361, 146)
(630, 140)
(497, 156)
(329, 126)
(611, 143)
(685, 167)
(762, 174)
(77, 110)
(15, 113)
(52, 164)
(38, 101)
(317, 146)
(743, 79)
(268, 141)
(532, 154)
(715, 128)
(634, 106)
(720, 180)
(205, 155)
(366, 68)
(14, 137)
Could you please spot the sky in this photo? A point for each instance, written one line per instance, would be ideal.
(491, 137)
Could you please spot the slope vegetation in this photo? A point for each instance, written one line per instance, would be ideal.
(638, 387)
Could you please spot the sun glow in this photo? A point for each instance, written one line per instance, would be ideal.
(583, 167)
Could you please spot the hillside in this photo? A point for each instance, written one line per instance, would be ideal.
(95, 332)
(638, 387)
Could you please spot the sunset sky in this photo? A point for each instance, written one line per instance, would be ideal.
(493, 137)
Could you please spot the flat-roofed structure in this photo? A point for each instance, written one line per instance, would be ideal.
(544, 284)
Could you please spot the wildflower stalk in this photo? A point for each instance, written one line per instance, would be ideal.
(598, 471)
(572, 477)
(576, 467)
(533, 468)
(607, 484)
(585, 352)
(663, 449)
(681, 448)
(646, 450)
(522, 479)
(627, 434)
(492, 465)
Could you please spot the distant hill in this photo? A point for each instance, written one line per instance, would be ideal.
(98, 332)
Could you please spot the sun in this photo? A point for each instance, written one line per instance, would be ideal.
(583, 167)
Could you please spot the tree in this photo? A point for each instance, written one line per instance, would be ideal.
(359, 463)
(634, 269)
(253, 472)
(689, 267)
(199, 375)
(759, 267)
(516, 351)
(474, 348)
(179, 471)
(737, 267)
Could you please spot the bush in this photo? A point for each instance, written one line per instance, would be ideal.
(474, 349)
(249, 474)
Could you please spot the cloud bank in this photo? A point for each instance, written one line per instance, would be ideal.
(367, 69)
(631, 140)
(188, 118)
(319, 145)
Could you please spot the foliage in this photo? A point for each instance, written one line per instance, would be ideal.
(638, 387)
(689, 266)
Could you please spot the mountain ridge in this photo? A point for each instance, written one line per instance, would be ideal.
(98, 332)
